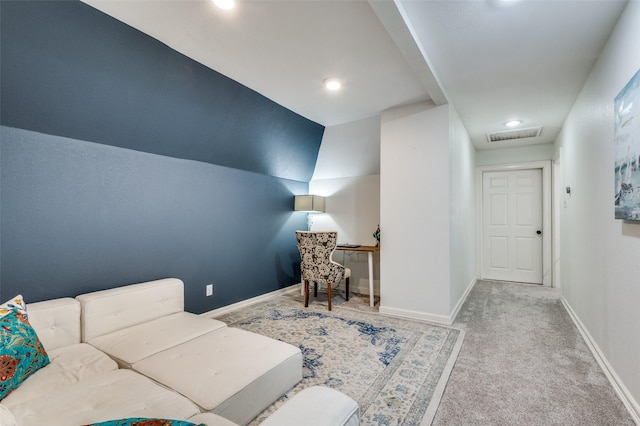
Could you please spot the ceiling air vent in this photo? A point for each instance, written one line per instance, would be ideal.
(509, 135)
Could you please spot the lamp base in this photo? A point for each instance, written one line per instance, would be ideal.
(309, 221)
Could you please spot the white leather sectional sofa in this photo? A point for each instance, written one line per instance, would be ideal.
(132, 351)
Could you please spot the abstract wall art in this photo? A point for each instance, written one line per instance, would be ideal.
(627, 150)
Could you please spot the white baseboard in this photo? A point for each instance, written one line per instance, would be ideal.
(362, 287)
(416, 315)
(456, 309)
(424, 316)
(244, 303)
(627, 399)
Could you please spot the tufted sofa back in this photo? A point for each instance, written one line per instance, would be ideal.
(110, 310)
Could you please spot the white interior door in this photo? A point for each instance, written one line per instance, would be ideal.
(512, 225)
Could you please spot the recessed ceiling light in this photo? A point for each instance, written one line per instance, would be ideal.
(332, 84)
(513, 123)
(225, 4)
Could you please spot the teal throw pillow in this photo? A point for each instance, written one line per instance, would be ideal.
(21, 353)
(140, 421)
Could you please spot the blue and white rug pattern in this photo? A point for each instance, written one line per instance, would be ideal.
(390, 366)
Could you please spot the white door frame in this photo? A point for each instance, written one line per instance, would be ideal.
(547, 231)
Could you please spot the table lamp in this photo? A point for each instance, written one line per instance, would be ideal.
(310, 204)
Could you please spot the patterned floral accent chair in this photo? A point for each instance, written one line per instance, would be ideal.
(316, 248)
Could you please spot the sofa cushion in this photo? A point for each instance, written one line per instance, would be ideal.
(106, 311)
(69, 364)
(6, 417)
(114, 394)
(56, 321)
(135, 343)
(230, 372)
(316, 406)
(211, 419)
(21, 353)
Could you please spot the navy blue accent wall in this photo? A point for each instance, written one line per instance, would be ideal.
(79, 216)
(123, 161)
(71, 70)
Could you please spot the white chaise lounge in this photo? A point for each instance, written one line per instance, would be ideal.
(226, 371)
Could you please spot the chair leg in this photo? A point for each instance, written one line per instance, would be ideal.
(306, 293)
(329, 294)
(347, 286)
(315, 289)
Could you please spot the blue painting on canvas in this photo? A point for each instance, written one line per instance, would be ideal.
(627, 154)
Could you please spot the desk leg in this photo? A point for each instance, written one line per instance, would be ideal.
(370, 259)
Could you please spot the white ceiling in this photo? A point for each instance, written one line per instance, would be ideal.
(493, 60)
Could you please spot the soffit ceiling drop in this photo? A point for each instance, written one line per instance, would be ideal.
(507, 60)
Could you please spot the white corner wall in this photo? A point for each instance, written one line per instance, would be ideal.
(428, 186)
(414, 212)
(352, 209)
(600, 255)
(463, 213)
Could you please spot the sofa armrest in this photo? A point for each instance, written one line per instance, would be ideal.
(106, 311)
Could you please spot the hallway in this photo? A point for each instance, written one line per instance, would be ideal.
(523, 362)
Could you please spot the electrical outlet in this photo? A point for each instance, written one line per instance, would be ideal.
(209, 289)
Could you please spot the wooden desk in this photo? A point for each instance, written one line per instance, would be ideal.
(370, 250)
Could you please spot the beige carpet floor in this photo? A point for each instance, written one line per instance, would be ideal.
(523, 362)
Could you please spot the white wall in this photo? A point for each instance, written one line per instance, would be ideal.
(351, 149)
(462, 207)
(600, 255)
(521, 154)
(348, 173)
(414, 211)
(353, 209)
(557, 207)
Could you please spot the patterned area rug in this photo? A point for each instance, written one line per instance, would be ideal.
(395, 369)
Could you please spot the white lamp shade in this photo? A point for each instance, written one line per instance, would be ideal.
(309, 203)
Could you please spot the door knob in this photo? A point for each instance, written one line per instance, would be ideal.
(538, 232)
